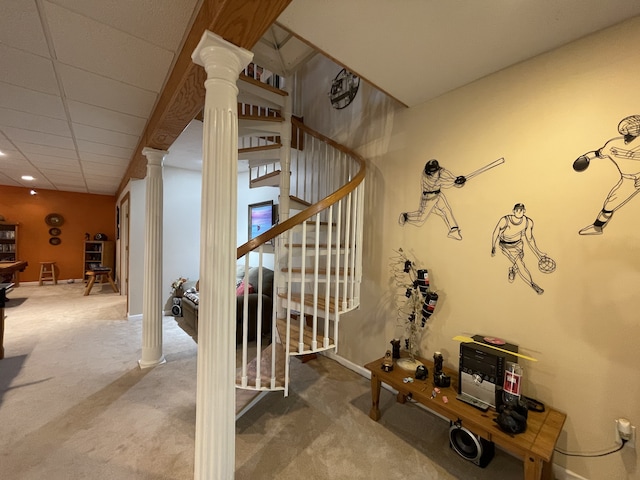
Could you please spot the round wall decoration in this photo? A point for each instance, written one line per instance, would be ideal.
(55, 231)
(343, 89)
(54, 219)
(55, 241)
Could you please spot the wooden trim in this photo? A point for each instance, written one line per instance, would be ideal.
(316, 207)
(241, 22)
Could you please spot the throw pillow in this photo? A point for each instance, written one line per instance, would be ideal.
(241, 290)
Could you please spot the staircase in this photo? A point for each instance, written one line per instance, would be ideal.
(317, 244)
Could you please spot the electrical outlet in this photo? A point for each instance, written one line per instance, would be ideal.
(631, 441)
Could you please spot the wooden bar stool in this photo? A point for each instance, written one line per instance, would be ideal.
(48, 273)
(99, 274)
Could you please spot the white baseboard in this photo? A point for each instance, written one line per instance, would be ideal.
(134, 317)
(564, 474)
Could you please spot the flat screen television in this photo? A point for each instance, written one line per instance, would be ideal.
(262, 216)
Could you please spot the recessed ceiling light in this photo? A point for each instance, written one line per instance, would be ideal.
(2, 154)
(27, 177)
(33, 192)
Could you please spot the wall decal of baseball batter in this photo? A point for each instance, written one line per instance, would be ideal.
(433, 180)
(624, 152)
(508, 235)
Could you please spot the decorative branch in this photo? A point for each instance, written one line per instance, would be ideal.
(415, 303)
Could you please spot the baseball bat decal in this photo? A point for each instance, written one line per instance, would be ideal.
(495, 163)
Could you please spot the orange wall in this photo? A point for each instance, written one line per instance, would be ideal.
(82, 213)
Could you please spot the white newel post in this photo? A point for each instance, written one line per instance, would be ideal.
(152, 287)
(215, 400)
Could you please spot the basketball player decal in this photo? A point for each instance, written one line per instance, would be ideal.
(433, 180)
(508, 235)
(624, 153)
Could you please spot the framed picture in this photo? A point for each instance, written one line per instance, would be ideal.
(262, 216)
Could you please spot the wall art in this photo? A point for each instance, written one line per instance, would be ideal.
(434, 179)
(624, 153)
(509, 235)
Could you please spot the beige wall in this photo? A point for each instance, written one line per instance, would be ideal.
(540, 116)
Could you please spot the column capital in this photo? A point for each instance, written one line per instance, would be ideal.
(217, 55)
(154, 156)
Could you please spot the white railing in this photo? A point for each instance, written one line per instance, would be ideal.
(317, 264)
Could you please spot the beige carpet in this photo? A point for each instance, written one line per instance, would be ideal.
(75, 405)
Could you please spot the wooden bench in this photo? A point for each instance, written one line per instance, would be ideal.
(535, 446)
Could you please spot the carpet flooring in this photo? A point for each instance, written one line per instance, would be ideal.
(75, 405)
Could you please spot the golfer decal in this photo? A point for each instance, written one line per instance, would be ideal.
(508, 235)
(434, 179)
(624, 153)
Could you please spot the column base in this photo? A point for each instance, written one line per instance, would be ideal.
(149, 364)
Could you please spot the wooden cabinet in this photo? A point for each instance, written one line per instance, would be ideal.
(8, 242)
(99, 254)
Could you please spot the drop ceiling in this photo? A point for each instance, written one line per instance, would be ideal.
(80, 78)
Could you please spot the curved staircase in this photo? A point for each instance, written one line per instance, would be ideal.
(316, 244)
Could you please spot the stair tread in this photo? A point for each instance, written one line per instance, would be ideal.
(263, 179)
(260, 148)
(262, 85)
(299, 200)
(307, 337)
(261, 118)
(308, 301)
(308, 245)
(310, 270)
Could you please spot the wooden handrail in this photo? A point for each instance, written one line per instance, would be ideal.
(316, 207)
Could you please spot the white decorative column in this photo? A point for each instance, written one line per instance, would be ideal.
(152, 287)
(215, 401)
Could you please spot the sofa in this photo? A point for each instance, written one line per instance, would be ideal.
(191, 300)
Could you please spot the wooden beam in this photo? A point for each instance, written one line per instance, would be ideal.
(241, 22)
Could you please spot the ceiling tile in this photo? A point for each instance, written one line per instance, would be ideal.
(92, 147)
(107, 51)
(161, 22)
(20, 27)
(25, 100)
(44, 161)
(29, 121)
(105, 170)
(38, 183)
(80, 188)
(104, 159)
(28, 70)
(7, 180)
(99, 117)
(99, 135)
(104, 92)
(7, 164)
(29, 148)
(38, 138)
(57, 176)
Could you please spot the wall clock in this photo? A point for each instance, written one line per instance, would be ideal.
(54, 219)
(343, 89)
